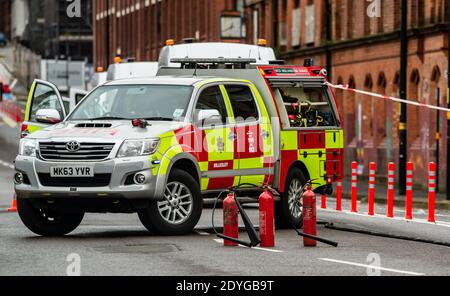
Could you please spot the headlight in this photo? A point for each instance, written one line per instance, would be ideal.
(28, 147)
(138, 148)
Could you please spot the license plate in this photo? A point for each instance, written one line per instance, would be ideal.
(72, 171)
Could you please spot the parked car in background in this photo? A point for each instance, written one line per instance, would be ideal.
(3, 40)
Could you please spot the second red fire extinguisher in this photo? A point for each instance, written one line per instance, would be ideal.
(266, 219)
(309, 216)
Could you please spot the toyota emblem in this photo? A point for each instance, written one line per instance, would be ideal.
(73, 146)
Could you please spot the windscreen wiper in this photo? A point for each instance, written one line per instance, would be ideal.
(109, 118)
(159, 119)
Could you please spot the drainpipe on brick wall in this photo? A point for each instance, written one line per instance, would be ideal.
(448, 101)
(329, 37)
(403, 148)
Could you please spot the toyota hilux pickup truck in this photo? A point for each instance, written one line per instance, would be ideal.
(158, 146)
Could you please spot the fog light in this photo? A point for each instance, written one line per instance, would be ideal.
(18, 178)
(139, 179)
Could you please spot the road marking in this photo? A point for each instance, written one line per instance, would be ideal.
(220, 241)
(371, 266)
(203, 233)
(7, 164)
(378, 216)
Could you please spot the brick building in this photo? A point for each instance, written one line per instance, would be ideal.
(139, 28)
(357, 40)
(364, 52)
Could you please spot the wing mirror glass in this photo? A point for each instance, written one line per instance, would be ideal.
(49, 116)
(209, 117)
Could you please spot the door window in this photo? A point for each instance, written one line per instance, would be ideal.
(44, 97)
(211, 99)
(243, 103)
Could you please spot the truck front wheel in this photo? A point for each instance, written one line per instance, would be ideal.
(289, 210)
(47, 222)
(180, 210)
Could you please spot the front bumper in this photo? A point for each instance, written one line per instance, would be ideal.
(119, 169)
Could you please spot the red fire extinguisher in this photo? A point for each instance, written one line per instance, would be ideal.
(266, 219)
(309, 216)
(230, 219)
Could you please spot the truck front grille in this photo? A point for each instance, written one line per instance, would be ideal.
(86, 151)
(100, 180)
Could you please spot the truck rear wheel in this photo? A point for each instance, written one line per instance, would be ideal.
(289, 210)
(47, 222)
(180, 210)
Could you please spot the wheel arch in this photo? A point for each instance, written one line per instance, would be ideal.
(299, 165)
(184, 161)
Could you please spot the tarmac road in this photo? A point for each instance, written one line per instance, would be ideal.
(119, 245)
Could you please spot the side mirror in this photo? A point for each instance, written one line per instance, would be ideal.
(209, 117)
(49, 116)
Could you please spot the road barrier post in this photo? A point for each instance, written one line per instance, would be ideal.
(354, 186)
(390, 193)
(323, 204)
(371, 193)
(339, 196)
(409, 193)
(431, 191)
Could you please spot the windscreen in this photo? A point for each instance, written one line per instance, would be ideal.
(151, 102)
(308, 106)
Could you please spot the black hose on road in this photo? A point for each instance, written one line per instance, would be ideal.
(386, 235)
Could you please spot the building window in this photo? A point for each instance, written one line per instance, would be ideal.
(255, 26)
(433, 10)
(310, 23)
(296, 24)
(283, 23)
(338, 20)
(380, 20)
(350, 18)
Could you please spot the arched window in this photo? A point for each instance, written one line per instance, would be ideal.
(436, 96)
(349, 114)
(413, 111)
(368, 108)
(380, 107)
(339, 93)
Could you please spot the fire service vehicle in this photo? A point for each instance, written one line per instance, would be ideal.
(158, 146)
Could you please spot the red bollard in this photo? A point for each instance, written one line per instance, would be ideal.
(354, 186)
(309, 216)
(339, 196)
(390, 193)
(323, 204)
(409, 193)
(431, 191)
(266, 219)
(372, 169)
(230, 220)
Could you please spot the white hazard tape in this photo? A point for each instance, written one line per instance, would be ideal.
(418, 104)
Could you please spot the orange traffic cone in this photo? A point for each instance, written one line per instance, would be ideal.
(13, 207)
